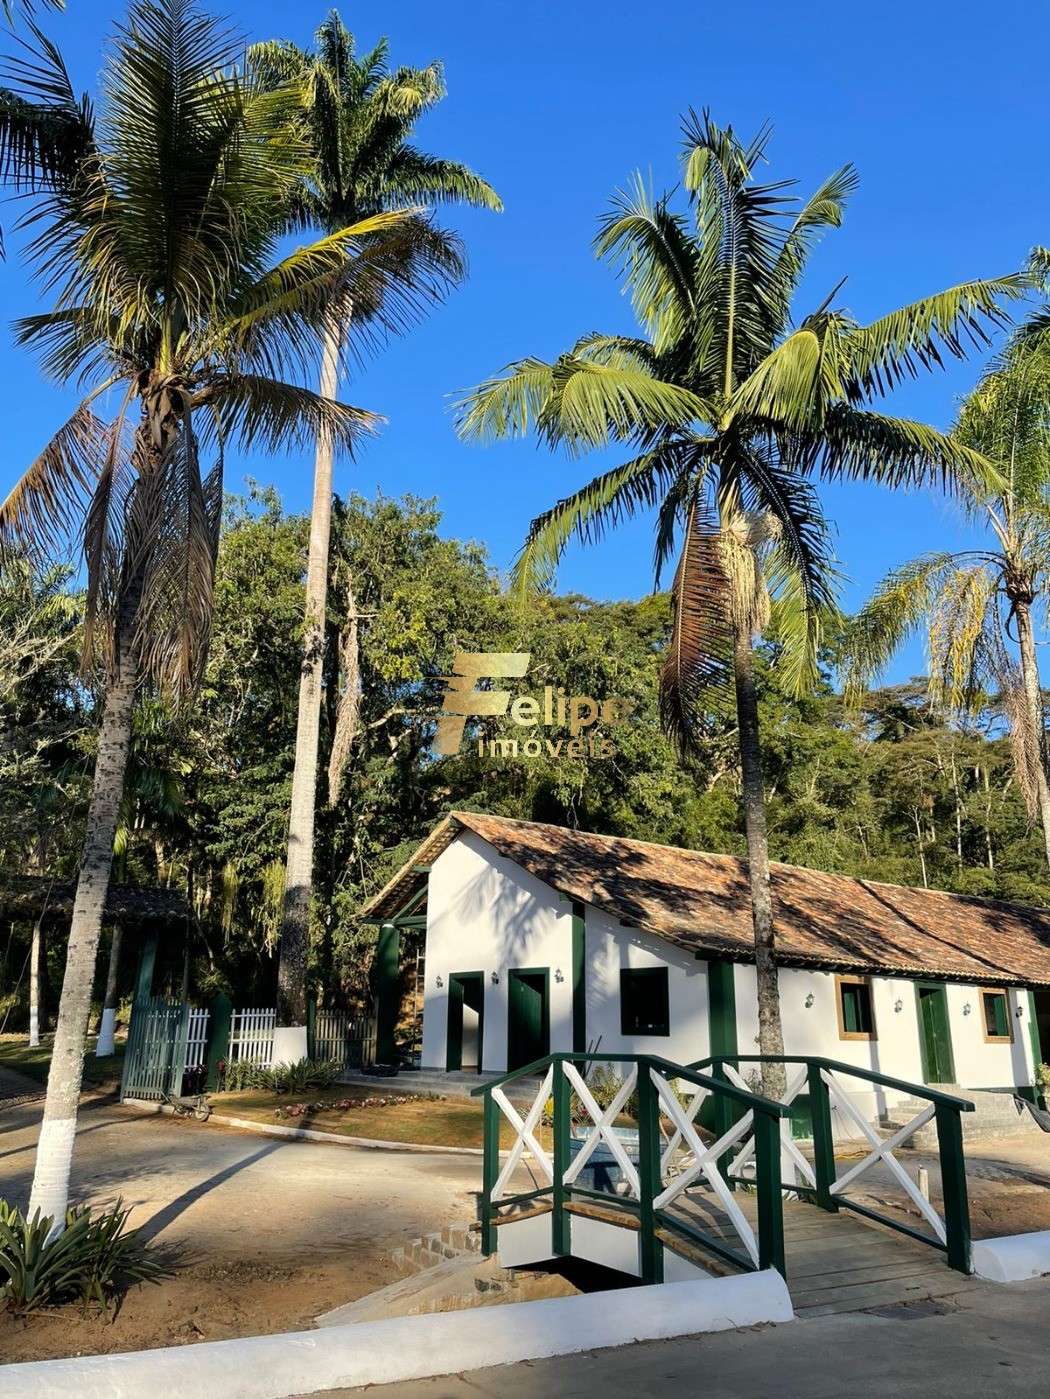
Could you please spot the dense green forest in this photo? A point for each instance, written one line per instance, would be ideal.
(888, 792)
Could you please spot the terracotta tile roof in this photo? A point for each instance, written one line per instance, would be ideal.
(700, 902)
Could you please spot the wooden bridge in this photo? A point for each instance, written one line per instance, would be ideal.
(671, 1201)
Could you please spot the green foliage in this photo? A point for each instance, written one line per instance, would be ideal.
(93, 1260)
(244, 1075)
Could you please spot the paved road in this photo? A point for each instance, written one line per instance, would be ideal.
(995, 1344)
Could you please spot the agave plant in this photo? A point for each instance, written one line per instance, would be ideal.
(92, 1260)
(731, 410)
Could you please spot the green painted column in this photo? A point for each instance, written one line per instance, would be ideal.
(388, 1002)
(1037, 1049)
(579, 980)
(147, 961)
(218, 1047)
(721, 993)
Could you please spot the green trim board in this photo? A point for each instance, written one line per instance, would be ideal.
(935, 1036)
(458, 985)
(579, 979)
(388, 999)
(528, 1016)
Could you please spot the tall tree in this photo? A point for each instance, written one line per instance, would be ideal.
(156, 225)
(977, 604)
(360, 119)
(731, 413)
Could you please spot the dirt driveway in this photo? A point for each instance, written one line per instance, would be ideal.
(266, 1233)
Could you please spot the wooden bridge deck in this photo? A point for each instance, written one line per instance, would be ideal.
(835, 1262)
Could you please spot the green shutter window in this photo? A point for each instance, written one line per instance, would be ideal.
(644, 1006)
(996, 1014)
(856, 1016)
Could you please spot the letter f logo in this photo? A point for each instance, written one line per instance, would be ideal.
(463, 698)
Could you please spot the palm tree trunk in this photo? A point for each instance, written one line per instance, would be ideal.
(34, 984)
(770, 1030)
(106, 1042)
(298, 881)
(1033, 715)
(54, 1154)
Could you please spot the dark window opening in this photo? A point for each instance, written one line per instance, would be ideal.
(856, 1016)
(644, 1007)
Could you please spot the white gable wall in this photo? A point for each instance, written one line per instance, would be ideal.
(486, 914)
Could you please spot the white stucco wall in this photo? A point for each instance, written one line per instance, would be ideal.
(609, 949)
(487, 914)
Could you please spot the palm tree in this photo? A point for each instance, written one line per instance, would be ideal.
(156, 225)
(360, 119)
(976, 604)
(731, 412)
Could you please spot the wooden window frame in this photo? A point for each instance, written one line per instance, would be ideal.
(649, 974)
(1008, 1038)
(845, 1034)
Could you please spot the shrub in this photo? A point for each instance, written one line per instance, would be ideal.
(94, 1259)
(281, 1078)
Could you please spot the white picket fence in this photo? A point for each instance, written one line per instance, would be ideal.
(197, 1042)
(251, 1035)
(340, 1040)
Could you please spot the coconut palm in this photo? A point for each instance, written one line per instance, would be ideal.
(156, 224)
(976, 605)
(360, 118)
(731, 411)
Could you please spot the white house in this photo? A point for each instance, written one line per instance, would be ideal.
(541, 939)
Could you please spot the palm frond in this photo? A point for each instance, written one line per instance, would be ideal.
(46, 505)
(859, 444)
(918, 336)
(263, 413)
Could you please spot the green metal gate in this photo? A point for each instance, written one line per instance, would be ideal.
(155, 1058)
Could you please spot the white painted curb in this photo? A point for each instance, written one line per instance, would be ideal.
(409, 1347)
(1013, 1258)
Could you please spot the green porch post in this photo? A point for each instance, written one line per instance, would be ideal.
(147, 961)
(579, 980)
(218, 1046)
(388, 1005)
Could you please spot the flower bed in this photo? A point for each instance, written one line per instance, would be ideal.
(390, 1100)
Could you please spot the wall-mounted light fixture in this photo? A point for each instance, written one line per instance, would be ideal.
(967, 1008)
(439, 982)
(898, 1006)
(494, 978)
(1019, 1012)
(558, 975)
(808, 1002)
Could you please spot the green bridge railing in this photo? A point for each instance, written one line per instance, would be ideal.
(651, 1191)
(821, 1080)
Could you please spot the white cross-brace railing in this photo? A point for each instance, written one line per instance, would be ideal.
(882, 1151)
(790, 1156)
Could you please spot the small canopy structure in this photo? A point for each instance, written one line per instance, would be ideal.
(27, 897)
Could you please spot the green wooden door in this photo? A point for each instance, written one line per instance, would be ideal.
(528, 1018)
(935, 1038)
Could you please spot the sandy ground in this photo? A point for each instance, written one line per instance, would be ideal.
(264, 1234)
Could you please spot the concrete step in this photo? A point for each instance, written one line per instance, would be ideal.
(994, 1115)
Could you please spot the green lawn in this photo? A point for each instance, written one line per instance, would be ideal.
(35, 1063)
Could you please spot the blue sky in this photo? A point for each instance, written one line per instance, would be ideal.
(939, 106)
